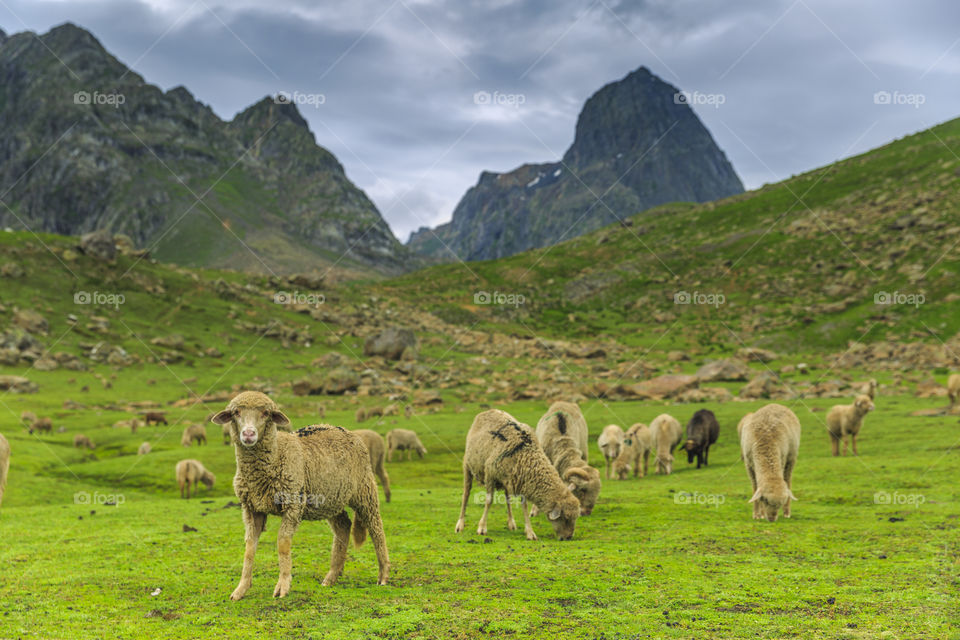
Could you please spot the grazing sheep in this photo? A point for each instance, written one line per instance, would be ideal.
(503, 454)
(28, 418)
(360, 416)
(846, 419)
(81, 441)
(196, 432)
(144, 449)
(562, 432)
(391, 410)
(667, 434)
(702, 431)
(404, 440)
(769, 442)
(313, 474)
(637, 443)
(189, 473)
(4, 464)
(953, 389)
(377, 448)
(155, 417)
(42, 425)
(611, 444)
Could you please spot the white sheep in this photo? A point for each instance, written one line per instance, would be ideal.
(81, 441)
(667, 434)
(769, 443)
(196, 432)
(845, 420)
(377, 448)
(635, 454)
(610, 443)
(144, 449)
(188, 473)
(562, 432)
(404, 440)
(953, 389)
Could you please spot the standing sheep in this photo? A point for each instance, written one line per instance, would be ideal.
(769, 442)
(845, 420)
(155, 417)
(81, 441)
(871, 387)
(404, 439)
(313, 474)
(44, 425)
(503, 454)
(702, 431)
(611, 444)
(667, 434)
(562, 432)
(377, 449)
(196, 432)
(636, 448)
(4, 464)
(28, 418)
(144, 449)
(953, 389)
(189, 473)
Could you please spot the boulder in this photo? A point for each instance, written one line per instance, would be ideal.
(728, 370)
(341, 380)
(390, 343)
(17, 384)
(755, 354)
(98, 244)
(765, 385)
(170, 342)
(666, 386)
(30, 321)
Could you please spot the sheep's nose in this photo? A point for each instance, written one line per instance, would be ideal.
(248, 435)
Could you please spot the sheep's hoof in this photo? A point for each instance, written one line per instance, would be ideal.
(238, 593)
(511, 526)
(460, 525)
(329, 579)
(482, 530)
(531, 535)
(282, 588)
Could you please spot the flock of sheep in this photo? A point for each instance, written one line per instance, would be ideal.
(317, 472)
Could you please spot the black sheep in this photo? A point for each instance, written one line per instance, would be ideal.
(702, 431)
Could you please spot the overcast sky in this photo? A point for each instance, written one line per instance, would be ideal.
(785, 86)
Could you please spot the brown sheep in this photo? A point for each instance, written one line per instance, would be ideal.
(377, 448)
(769, 443)
(196, 432)
(189, 473)
(155, 417)
(637, 444)
(42, 425)
(562, 432)
(503, 454)
(404, 440)
(953, 389)
(81, 441)
(667, 434)
(611, 444)
(313, 474)
(845, 420)
(4, 464)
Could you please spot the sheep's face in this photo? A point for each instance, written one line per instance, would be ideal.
(665, 464)
(563, 517)
(621, 470)
(253, 417)
(208, 479)
(584, 484)
(769, 504)
(864, 404)
(421, 451)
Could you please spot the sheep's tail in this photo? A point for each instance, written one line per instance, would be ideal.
(359, 531)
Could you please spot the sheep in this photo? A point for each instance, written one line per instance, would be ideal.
(666, 433)
(502, 453)
(953, 389)
(769, 442)
(189, 473)
(377, 448)
(408, 411)
(144, 449)
(42, 425)
(133, 424)
(4, 464)
(81, 441)
(702, 431)
(846, 419)
(313, 474)
(740, 425)
(871, 389)
(404, 439)
(611, 444)
(562, 432)
(391, 410)
(156, 417)
(637, 444)
(27, 418)
(196, 432)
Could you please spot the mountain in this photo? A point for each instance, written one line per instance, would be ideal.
(86, 143)
(636, 146)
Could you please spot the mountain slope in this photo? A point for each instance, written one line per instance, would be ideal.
(85, 143)
(635, 148)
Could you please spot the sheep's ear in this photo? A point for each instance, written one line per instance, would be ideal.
(577, 472)
(555, 514)
(223, 417)
(756, 496)
(279, 419)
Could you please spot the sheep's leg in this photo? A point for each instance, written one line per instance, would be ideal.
(482, 525)
(390, 453)
(467, 485)
(367, 511)
(180, 482)
(844, 445)
(835, 445)
(384, 479)
(288, 526)
(253, 524)
(756, 505)
(527, 527)
(853, 440)
(511, 523)
(787, 477)
(338, 555)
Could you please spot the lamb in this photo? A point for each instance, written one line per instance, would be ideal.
(42, 425)
(4, 464)
(81, 441)
(156, 417)
(666, 433)
(846, 419)
(702, 431)
(189, 473)
(502, 453)
(769, 442)
(404, 439)
(196, 432)
(637, 444)
(313, 474)
(144, 449)
(562, 432)
(953, 389)
(611, 444)
(377, 448)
